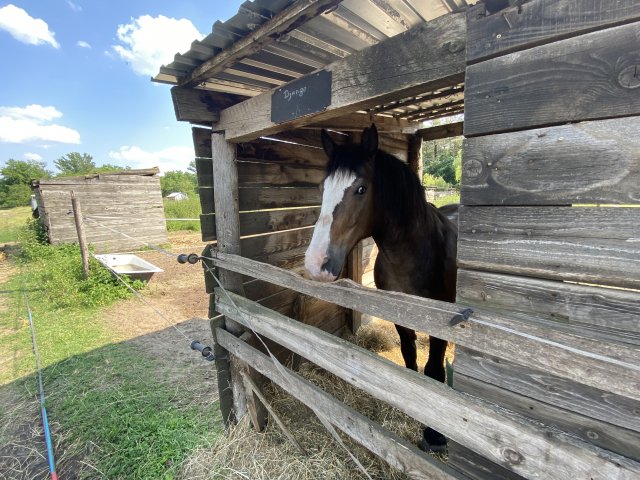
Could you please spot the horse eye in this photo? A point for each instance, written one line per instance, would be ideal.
(361, 189)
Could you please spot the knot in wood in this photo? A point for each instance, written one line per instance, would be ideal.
(512, 457)
(629, 77)
(472, 168)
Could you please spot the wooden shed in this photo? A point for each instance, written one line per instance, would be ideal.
(547, 368)
(119, 207)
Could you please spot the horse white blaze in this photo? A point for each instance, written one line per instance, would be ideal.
(334, 187)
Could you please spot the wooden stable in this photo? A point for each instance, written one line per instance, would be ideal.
(127, 201)
(547, 367)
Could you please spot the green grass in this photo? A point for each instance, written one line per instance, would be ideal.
(446, 200)
(189, 208)
(11, 221)
(122, 417)
(117, 411)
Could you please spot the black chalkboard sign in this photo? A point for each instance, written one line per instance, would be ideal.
(309, 94)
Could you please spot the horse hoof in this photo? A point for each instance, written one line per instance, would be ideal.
(433, 441)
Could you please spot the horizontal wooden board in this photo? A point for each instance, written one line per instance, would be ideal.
(537, 383)
(252, 223)
(592, 245)
(264, 150)
(264, 246)
(596, 363)
(441, 131)
(523, 446)
(268, 174)
(588, 162)
(475, 466)
(254, 174)
(262, 198)
(539, 21)
(583, 78)
(98, 179)
(605, 313)
(610, 437)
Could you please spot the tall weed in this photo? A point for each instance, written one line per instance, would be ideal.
(56, 270)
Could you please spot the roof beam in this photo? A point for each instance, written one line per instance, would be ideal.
(284, 22)
(394, 69)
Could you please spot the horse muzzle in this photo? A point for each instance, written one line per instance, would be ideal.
(325, 267)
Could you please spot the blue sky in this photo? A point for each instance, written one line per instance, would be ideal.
(76, 77)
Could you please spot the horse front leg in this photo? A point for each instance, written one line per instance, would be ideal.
(408, 347)
(432, 440)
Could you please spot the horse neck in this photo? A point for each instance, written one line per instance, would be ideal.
(403, 216)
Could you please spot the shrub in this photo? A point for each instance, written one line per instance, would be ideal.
(57, 271)
(429, 180)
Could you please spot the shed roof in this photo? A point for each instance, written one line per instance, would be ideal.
(271, 42)
(143, 172)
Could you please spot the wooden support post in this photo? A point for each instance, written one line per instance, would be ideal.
(415, 155)
(225, 196)
(355, 273)
(82, 240)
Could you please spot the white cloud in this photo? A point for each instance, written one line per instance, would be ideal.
(171, 158)
(24, 28)
(33, 123)
(74, 6)
(83, 44)
(149, 42)
(32, 156)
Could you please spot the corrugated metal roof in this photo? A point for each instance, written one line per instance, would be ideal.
(348, 27)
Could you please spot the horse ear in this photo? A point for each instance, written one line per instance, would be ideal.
(327, 143)
(370, 139)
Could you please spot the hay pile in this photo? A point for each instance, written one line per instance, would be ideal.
(243, 453)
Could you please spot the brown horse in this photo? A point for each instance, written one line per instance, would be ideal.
(367, 192)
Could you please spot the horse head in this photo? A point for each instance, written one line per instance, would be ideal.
(346, 215)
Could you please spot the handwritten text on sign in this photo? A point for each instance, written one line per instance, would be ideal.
(304, 96)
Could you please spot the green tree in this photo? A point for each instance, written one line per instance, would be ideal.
(178, 181)
(457, 166)
(439, 157)
(192, 167)
(16, 176)
(75, 163)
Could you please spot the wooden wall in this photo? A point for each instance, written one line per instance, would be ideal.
(548, 231)
(131, 204)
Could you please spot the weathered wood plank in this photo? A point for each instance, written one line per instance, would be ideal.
(267, 174)
(588, 162)
(583, 78)
(287, 20)
(441, 131)
(609, 314)
(368, 77)
(396, 451)
(356, 122)
(540, 384)
(591, 245)
(598, 364)
(520, 445)
(535, 22)
(476, 466)
(575, 421)
(203, 106)
(254, 174)
(263, 150)
(278, 242)
(201, 142)
(262, 198)
(252, 223)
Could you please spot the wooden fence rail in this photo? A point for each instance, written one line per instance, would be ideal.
(613, 368)
(521, 445)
